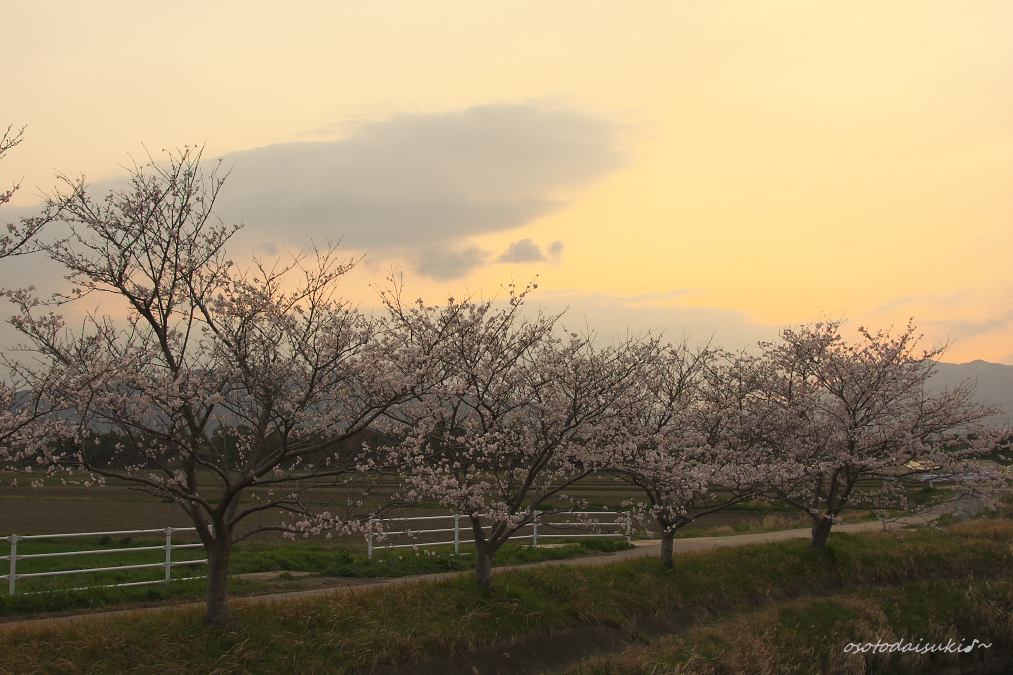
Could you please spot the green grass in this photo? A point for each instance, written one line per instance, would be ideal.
(358, 631)
(65, 593)
(342, 561)
(90, 590)
(66, 600)
(96, 560)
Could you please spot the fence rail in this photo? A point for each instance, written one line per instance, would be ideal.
(12, 576)
(624, 521)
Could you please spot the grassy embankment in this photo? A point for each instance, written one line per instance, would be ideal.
(812, 634)
(912, 627)
(357, 631)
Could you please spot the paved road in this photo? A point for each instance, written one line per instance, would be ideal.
(643, 548)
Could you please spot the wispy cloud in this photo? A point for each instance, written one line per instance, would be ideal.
(654, 297)
(965, 328)
(893, 304)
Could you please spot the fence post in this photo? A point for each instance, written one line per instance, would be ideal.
(457, 533)
(369, 539)
(14, 564)
(168, 554)
(534, 530)
(629, 529)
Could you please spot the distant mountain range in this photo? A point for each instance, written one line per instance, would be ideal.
(993, 382)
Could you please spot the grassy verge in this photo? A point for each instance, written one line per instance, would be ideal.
(917, 627)
(25, 605)
(360, 630)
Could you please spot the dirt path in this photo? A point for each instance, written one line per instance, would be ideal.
(643, 548)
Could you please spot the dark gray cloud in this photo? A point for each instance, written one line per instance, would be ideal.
(267, 248)
(522, 251)
(420, 180)
(424, 182)
(444, 265)
(526, 250)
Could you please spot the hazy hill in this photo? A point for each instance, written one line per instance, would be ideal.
(993, 382)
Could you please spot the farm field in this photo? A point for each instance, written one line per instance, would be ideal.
(59, 509)
(55, 509)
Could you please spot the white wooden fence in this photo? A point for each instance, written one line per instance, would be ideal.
(12, 576)
(624, 522)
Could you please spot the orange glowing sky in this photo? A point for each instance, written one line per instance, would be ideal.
(714, 166)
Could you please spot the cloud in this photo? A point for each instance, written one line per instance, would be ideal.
(425, 180)
(422, 182)
(893, 304)
(525, 250)
(653, 298)
(522, 251)
(967, 328)
(444, 265)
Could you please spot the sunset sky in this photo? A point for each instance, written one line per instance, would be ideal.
(714, 167)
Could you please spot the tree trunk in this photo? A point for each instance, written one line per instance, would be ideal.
(667, 548)
(218, 611)
(820, 532)
(483, 567)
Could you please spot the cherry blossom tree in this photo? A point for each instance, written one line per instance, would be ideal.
(229, 392)
(23, 406)
(522, 411)
(18, 237)
(699, 441)
(861, 421)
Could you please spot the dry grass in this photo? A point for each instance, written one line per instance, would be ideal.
(786, 521)
(753, 523)
(811, 635)
(994, 529)
(746, 643)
